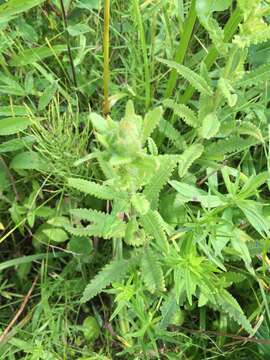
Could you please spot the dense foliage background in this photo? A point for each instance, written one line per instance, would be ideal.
(134, 179)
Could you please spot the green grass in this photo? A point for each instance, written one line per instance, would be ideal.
(134, 179)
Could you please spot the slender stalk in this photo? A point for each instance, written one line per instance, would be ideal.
(64, 16)
(106, 54)
(211, 57)
(147, 81)
(182, 48)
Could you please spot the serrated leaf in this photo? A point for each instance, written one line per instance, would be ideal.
(210, 126)
(195, 80)
(168, 310)
(114, 271)
(247, 128)
(150, 122)
(89, 214)
(89, 187)
(254, 77)
(140, 203)
(153, 225)
(152, 273)
(184, 112)
(192, 153)
(171, 133)
(159, 180)
(229, 304)
(217, 150)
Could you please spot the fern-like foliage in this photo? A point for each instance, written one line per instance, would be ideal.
(184, 112)
(151, 121)
(103, 225)
(166, 166)
(153, 225)
(114, 271)
(231, 307)
(152, 273)
(255, 77)
(219, 149)
(89, 215)
(89, 187)
(192, 153)
(169, 131)
(195, 80)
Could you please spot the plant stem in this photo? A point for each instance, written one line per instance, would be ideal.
(68, 43)
(182, 48)
(147, 81)
(106, 54)
(211, 57)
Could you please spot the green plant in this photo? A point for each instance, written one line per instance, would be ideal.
(164, 209)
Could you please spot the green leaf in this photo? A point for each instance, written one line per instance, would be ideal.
(205, 9)
(217, 150)
(159, 179)
(187, 192)
(102, 225)
(28, 160)
(171, 133)
(47, 96)
(55, 234)
(150, 122)
(153, 225)
(229, 304)
(195, 80)
(78, 29)
(241, 247)
(88, 4)
(253, 213)
(89, 215)
(27, 259)
(114, 271)
(168, 309)
(13, 8)
(89, 187)
(29, 56)
(184, 112)
(227, 91)
(16, 144)
(192, 153)
(253, 183)
(80, 246)
(12, 125)
(247, 128)
(255, 77)
(140, 203)
(14, 110)
(152, 273)
(210, 126)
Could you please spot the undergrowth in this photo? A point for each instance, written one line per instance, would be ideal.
(134, 179)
